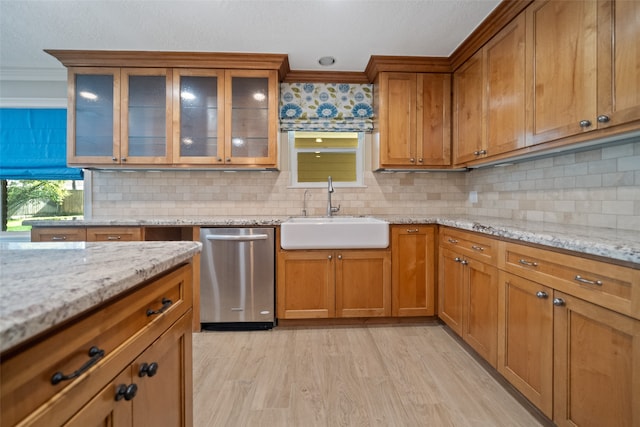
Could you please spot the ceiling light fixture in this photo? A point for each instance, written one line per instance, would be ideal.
(327, 61)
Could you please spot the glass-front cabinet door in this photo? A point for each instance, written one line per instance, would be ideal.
(93, 129)
(198, 106)
(146, 119)
(251, 117)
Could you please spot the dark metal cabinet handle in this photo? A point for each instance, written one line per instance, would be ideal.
(149, 369)
(558, 302)
(603, 118)
(585, 123)
(166, 303)
(542, 294)
(457, 259)
(126, 392)
(95, 355)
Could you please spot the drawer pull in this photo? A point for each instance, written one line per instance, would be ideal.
(126, 392)
(529, 263)
(457, 259)
(559, 302)
(464, 262)
(477, 248)
(58, 238)
(412, 230)
(587, 281)
(95, 354)
(166, 303)
(113, 237)
(149, 369)
(542, 294)
(454, 241)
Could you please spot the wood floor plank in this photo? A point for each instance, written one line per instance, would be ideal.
(399, 375)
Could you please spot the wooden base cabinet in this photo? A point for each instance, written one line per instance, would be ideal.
(468, 301)
(525, 338)
(326, 284)
(413, 270)
(596, 365)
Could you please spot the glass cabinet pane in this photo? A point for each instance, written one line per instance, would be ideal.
(93, 115)
(198, 116)
(250, 117)
(147, 116)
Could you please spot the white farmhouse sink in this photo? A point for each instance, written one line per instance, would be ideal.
(334, 233)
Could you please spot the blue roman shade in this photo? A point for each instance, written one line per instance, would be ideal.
(337, 107)
(33, 144)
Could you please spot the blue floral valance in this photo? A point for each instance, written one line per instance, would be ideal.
(326, 107)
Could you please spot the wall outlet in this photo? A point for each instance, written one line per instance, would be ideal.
(473, 196)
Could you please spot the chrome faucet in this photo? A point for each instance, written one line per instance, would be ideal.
(304, 202)
(330, 209)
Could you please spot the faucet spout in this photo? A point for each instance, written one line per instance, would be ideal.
(330, 209)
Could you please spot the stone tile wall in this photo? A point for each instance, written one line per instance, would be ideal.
(599, 187)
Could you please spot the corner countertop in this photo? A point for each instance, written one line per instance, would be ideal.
(43, 284)
(618, 245)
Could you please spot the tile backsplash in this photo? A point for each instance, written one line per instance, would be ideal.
(599, 187)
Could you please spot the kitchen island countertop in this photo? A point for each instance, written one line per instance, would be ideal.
(44, 284)
(618, 245)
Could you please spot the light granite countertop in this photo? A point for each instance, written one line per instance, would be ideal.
(620, 245)
(43, 284)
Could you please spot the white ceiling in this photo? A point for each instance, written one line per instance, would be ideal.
(349, 30)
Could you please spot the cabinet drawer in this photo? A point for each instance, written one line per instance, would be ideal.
(114, 234)
(58, 234)
(608, 285)
(469, 244)
(145, 311)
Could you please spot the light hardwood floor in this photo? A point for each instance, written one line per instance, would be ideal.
(405, 376)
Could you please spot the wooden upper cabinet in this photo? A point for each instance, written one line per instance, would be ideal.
(468, 117)
(198, 116)
(155, 109)
(504, 75)
(618, 62)
(414, 119)
(489, 97)
(93, 118)
(251, 117)
(146, 120)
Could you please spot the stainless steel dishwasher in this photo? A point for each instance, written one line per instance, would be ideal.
(237, 282)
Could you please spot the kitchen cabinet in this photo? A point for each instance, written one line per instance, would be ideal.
(583, 57)
(333, 283)
(468, 290)
(114, 234)
(413, 272)
(489, 97)
(165, 117)
(58, 234)
(414, 120)
(103, 349)
(596, 365)
(525, 338)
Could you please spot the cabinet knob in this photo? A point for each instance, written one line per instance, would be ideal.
(126, 392)
(542, 294)
(457, 259)
(149, 369)
(420, 160)
(476, 153)
(219, 159)
(329, 257)
(124, 159)
(585, 123)
(115, 159)
(339, 256)
(412, 160)
(464, 262)
(603, 118)
(558, 302)
(228, 160)
(483, 152)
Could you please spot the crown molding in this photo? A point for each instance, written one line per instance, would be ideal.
(407, 64)
(301, 76)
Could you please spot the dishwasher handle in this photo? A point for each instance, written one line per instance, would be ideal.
(236, 238)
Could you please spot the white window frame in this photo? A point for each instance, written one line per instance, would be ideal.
(293, 163)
